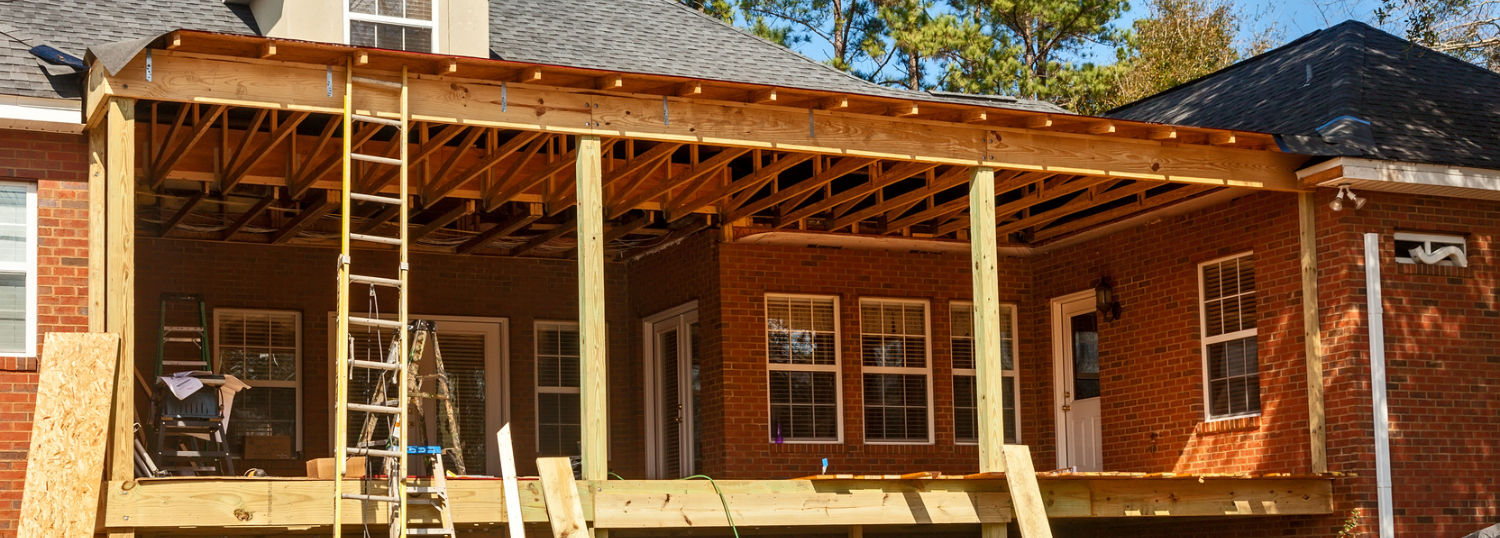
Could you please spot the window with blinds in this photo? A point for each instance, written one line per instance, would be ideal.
(392, 24)
(464, 360)
(894, 351)
(264, 349)
(965, 392)
(17, 269)
(1231, 366)
(803, 368)
(557, 393)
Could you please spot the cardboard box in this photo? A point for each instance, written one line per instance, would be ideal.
(323, 467)
(268, 447)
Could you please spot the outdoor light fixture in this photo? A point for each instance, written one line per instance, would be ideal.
(1345, 193)
(1104, 297)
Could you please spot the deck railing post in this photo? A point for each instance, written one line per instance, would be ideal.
(1312, 332)
(112, 266)
(591, 334)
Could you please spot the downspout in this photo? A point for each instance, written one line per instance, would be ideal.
(1386, 521)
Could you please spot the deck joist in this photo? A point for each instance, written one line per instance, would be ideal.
(301, 504)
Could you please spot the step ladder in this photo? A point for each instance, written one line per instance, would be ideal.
(434, 494)
(423, 334)
(396, 364)
(188, 434)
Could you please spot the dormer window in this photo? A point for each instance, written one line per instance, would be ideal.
(391, 24)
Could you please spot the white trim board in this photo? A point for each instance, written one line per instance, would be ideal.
(1408, 178)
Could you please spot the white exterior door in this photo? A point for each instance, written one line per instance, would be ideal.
(1075, 355)
(672, 405)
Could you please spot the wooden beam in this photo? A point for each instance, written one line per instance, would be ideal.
(977, 115)
(505, 150)
(458, 212)
(98, 210)
(837, 102)
(592, 344)
(1102, 127)
(953, 178)
(184, 77)
(530, 74)
(238, 171)
(750, 183)
(169, 159)
(543, 238)
(619, 231)
(374, 222)
(423, 152)
(840, 169)
(267, 50)
(1163, 133)
(321, 206)
(904, 110)
(1140, 206)
(1075, 205)
(494, 190)
(690, 89)
(1025, 495)
(120, 290)
(897, 173)
(564, 510)
(990, 381)
(763, 96)
(632, 166)
(952, 207)
(696, 173)
(299, 186)
(1222, 139)
(504, 228)
(248, 216)
(1312, 330)
(1039, 122)
(187, 207)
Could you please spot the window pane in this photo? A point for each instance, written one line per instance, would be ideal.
(557, 360)
(464, 361)
(895, 407)
(362, 33)
(261, 346)
(803, 405)
(557, 424)
(262, 411)
(418, 39)
(965, 413)
(367, 7)
(13, 312)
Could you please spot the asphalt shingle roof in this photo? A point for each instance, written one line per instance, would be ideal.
(1349, 90)
(660, 37)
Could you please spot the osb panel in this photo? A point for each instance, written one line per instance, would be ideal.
(66, 462)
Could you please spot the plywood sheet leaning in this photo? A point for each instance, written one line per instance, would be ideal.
(65, 464)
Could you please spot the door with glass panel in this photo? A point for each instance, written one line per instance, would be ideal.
(672, 353)
(1075, 326)
(472, 351)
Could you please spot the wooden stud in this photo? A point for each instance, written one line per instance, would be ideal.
(1312, 331)
(267, 50)
(242, 165)
(98, 209)
(463, 209)
(903, 110)
(174, 42)
(450, 66)
(514, 521)
(837, 102)
(530, 74)
(247, 217)
(619, 231)
(1025, 495)
(751, 183)
(321, 206)
(489, 161)
(120, 286)
(168, 159)
(564, 509)
(990, 380)
(898, 173)
(1163, 133)
(187, 207)
(976, 116)
(1102, 127)
(361, 58)
(690, 89)
(504, 228)
(610, 82)
(1140, 206)
(763, 97)
(844, 167)
(591, 331)
(1221, 139)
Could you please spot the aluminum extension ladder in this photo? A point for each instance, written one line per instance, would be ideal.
(393, 457)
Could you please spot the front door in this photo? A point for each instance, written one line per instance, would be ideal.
(1076, 368)
(672, 344)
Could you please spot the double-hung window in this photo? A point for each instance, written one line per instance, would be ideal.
(802, 362)
(264, 349)
(894, 350)
(17, 269)
(557, 393)
(392, 24)
(965, 373)
(1231, 372)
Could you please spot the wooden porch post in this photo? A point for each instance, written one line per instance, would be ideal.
(112, 266)
(991, 380)
(1312, 331)
(591, 337)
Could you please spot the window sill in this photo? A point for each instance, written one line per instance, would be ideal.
(1236, 424)
(1452, 271)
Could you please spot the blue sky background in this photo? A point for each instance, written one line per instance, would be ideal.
(1289, 19)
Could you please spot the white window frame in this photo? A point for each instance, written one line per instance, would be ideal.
(836, 368)
(1205, 340)
(255, 383)
(536, 382)
(1014, 372)
(1427, 239)
(397, 21)
(29, 267)
(903, 370)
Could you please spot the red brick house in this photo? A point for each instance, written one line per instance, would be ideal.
(789, 287)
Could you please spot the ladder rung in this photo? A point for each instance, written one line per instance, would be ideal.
(374, 198)
(379, 453)
(193, 454)
(386, 323)
(183, 339)
(367, 408)
(371, 498)
(378, 281)
(375, 159)
(425, 490)
(378, 82)
(373, 119)
(375, 365)
(183, 329)
(182, 363)
(376, 239)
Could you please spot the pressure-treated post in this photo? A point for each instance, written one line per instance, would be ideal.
(1312, 332)
(591, 340)
(986, 276)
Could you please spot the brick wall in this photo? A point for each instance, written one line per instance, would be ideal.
(302, 279)
(57, 164)
(747, 272)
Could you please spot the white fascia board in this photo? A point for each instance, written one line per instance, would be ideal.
(37, 112)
